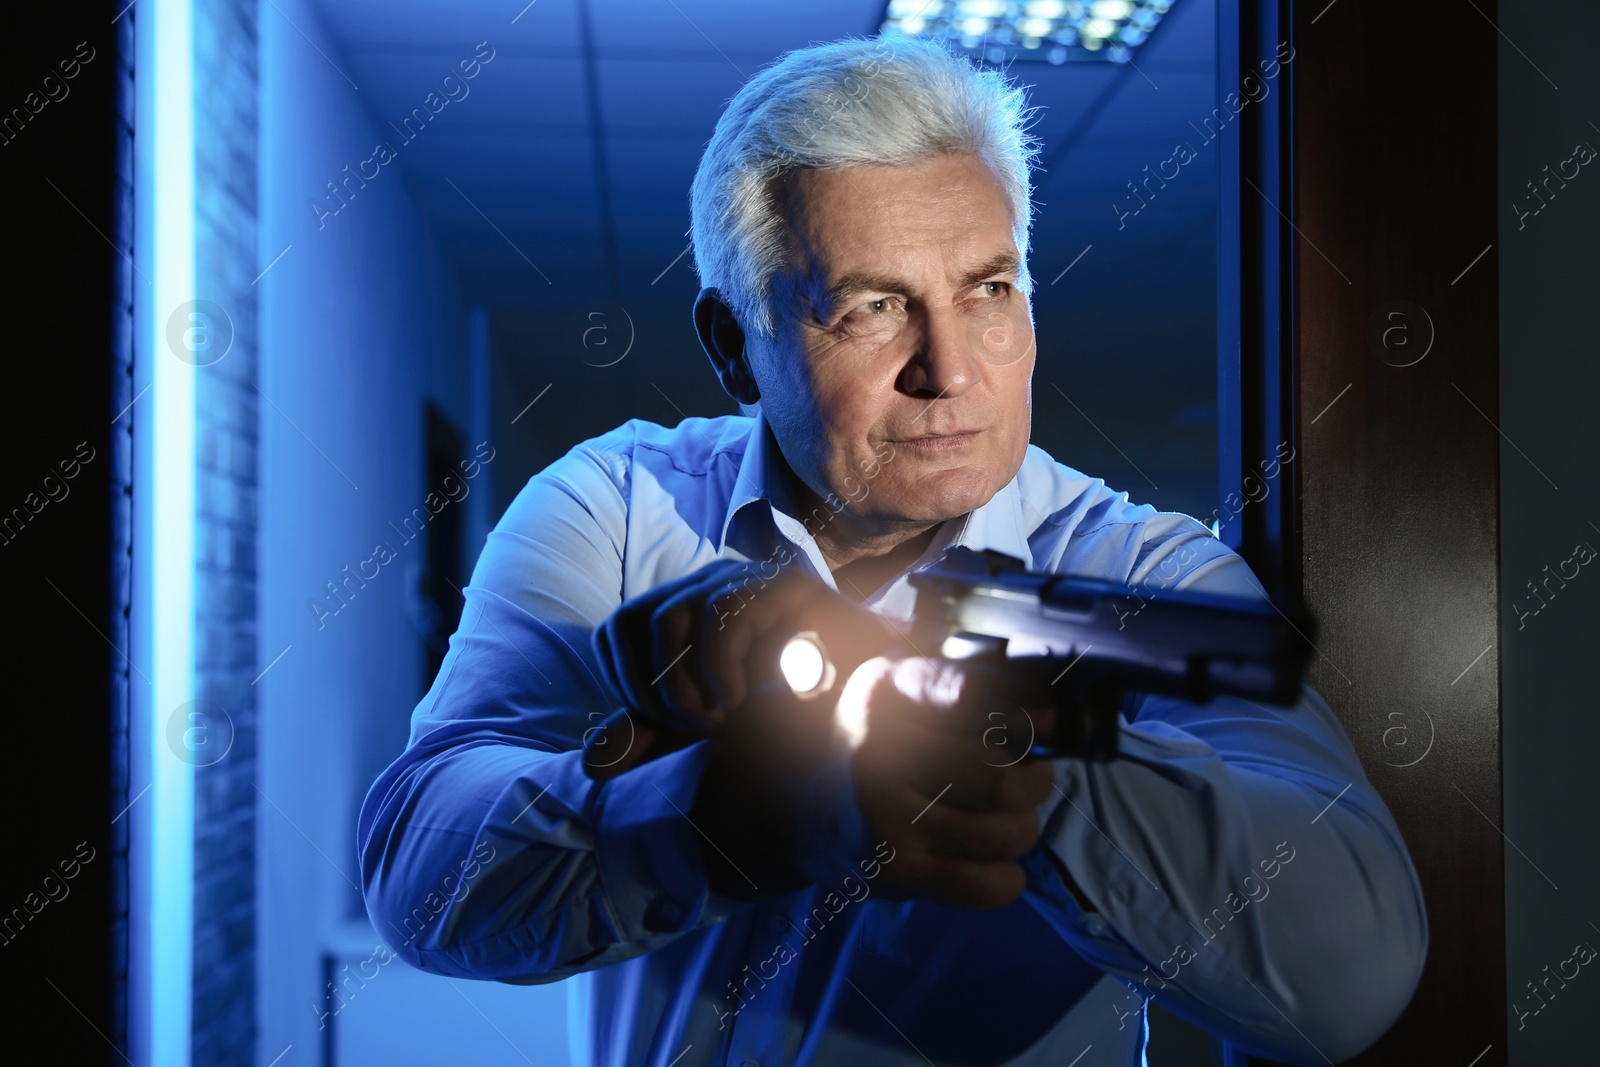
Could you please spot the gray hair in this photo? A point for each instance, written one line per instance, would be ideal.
(853, 102)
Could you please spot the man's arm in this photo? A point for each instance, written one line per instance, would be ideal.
(486, 851)
(1239, 866)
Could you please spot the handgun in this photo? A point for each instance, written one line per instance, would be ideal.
(1096, 646)
(1084, 648)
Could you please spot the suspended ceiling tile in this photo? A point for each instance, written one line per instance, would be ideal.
(440, 26)
(547, 167)
(736, 27)
(686, 97)
(663, 166)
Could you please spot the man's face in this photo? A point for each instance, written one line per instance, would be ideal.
(900, 334)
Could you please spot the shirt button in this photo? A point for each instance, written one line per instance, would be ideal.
(750, 1063)
(778, 924)
(1095, 925)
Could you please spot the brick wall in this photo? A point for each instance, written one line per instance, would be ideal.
(226, 97)
(121, 562)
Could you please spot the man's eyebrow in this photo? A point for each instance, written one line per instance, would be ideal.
(857, 283)
(999, 263)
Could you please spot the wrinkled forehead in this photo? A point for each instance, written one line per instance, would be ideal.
(890, 229)
(875, 196)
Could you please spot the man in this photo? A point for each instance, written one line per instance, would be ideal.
(729, 881)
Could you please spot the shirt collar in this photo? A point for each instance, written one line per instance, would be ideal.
(764, 477)
(760, 477)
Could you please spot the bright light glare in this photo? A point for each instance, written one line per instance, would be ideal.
(161, 970)
(1111, 9)
(960, 646)
(850, 714)
(998, 31)
(803, 663)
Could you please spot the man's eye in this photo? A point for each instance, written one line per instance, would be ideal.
(994, 288)
(873, 307)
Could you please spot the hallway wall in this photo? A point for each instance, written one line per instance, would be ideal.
(360, 323)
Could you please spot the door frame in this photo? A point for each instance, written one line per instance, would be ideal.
(1348, 329)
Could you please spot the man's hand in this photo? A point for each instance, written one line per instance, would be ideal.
(938, 772)
(940, 776)
(685, 654)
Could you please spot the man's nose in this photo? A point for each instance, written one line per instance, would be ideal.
(943, 363)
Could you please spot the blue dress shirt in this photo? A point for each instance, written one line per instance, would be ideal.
(1240, 867)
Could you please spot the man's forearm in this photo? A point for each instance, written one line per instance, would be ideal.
(1237, 889)
(575, 880)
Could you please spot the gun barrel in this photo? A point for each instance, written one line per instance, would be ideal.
(1195, 646)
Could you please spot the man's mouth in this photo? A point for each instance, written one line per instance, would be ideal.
(940, 441)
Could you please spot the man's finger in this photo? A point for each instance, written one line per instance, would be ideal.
(959, 883)
(978, 684)
(930, 760)
(624, 648)
(679, 678)
(972, 835)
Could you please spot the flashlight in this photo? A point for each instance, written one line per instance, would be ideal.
(809, 671)
(806, 665)
(815, 675)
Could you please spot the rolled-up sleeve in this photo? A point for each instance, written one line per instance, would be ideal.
(486, 851)
(1239, 867)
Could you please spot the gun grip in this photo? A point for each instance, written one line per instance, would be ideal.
(1086, 722)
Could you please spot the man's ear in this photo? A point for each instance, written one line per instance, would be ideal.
(723, 339)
